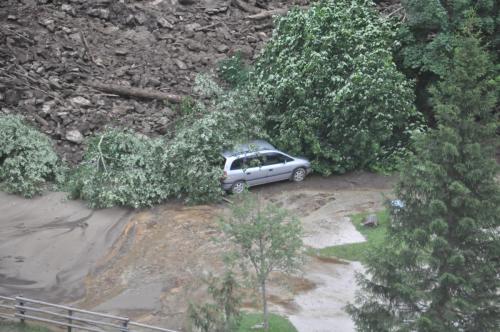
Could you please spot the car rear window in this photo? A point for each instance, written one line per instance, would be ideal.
(237, 164)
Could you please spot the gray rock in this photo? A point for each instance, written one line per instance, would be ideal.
(262, 35)
(154, 81)
(68, 9)
(80, 101)
(192, 27)
(180, 64)
(99, 12)
(140, 18)
(195, 46)
(49, 24)
(11, 97)
(121, 51)
(252, 39)
(245, 51)
(222, 48)
(74, 136)
(162, 22)
(371, 220)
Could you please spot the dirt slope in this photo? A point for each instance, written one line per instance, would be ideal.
(51, 50)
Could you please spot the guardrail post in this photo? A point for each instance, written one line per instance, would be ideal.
(70, 321)
(125, 325)
(21, 311)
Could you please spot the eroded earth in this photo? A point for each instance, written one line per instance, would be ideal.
(150, 264)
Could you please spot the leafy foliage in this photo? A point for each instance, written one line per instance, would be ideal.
(27, 159)
(267, 238)
(193, 157)
(120, 168)
(234, 71)
(123, 168)
(428, 34)
(438, 270)
(224, 314)
(330, 87)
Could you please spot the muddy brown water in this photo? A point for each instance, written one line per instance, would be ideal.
(150, 264)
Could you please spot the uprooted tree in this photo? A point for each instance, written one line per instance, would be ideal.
(28, 161)
(331, 90)
(120, 168)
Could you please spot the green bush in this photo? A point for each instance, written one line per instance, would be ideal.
(120, 168)
(331, 90)
(27, 159)
(234, 71)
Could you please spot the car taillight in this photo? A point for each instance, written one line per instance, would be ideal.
(224, 176)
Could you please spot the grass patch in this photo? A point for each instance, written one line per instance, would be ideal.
(276, 323)
(357, 251)
(18, 327)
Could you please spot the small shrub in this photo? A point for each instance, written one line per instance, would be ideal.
(120, 168)
(223, 313)
(27, 159)
(234, 71)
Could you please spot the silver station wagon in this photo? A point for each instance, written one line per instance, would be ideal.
(259, 162)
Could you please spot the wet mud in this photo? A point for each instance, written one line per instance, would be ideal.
(150, 264)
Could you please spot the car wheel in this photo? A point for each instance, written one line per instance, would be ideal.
(238, 187)
(299, 175)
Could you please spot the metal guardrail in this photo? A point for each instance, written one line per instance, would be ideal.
(72, 318)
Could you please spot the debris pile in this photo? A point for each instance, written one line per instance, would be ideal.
(72, 67)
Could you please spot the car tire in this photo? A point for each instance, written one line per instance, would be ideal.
(238, 187)
(299, 174)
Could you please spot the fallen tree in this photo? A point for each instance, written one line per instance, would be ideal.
(135, 92)
(268, 14)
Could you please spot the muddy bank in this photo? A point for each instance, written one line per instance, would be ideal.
(173, 251)
(149, 265)
(48, 245)
(324, 206)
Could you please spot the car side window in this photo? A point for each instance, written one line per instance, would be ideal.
(253, 162)
(237, 164)
(285, 158)
(273, 159)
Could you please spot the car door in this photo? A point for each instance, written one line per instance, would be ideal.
(276, 166)
(252, 167)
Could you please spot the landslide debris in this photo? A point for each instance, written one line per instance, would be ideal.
(60, 60)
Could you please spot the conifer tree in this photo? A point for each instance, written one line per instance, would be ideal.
(440, 265)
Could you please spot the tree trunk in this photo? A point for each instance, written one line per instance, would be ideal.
(264, 302)
(135, 92)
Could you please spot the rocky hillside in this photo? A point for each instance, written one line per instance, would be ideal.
(73, 66)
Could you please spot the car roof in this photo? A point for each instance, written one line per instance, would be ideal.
(252, 146)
